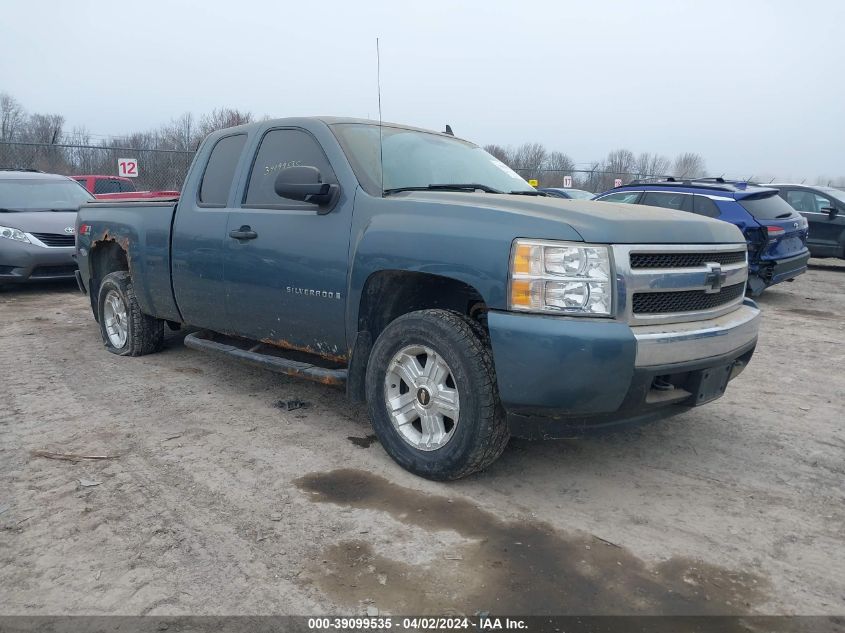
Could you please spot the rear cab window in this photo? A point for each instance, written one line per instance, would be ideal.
(767, 206)
(220, 171)
(106, 185)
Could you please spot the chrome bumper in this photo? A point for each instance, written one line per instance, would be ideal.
(682, 342)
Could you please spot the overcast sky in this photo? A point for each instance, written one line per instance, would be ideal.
(755, 87)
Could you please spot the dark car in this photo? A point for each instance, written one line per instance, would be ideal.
(567, 192)
(776, 235)
(824, 209)
(37, 219)
(119, 188)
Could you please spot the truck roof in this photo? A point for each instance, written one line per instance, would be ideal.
(328, 120)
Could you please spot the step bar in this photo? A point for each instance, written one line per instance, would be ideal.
(271, 358)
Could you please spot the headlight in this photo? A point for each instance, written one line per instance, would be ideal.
(561, 278)
(13, 234)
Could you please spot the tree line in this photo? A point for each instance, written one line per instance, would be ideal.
(534, 161)
(165, 152)
(24, 135)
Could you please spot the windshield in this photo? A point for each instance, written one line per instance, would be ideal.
(35, 194)
(579, 194)
(767, 206)
(419, 159)
(834, 193)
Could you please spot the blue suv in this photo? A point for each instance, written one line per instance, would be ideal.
(776, 234)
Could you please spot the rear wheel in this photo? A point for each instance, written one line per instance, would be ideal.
(126, 331)
(432, 397)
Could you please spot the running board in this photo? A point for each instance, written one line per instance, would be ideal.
(271, 358)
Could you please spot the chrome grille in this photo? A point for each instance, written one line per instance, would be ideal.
(674, 283)
(684, 260)
(684, 301)
(56, 239)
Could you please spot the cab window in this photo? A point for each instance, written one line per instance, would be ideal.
(280, 150)
(106, 185)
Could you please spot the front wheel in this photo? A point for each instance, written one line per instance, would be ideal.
(432, 396)
(126, 331)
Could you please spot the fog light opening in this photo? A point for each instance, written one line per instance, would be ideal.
(661, 383)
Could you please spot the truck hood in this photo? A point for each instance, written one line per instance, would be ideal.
(39, 221)
(597, 222)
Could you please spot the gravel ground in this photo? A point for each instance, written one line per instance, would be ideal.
(219, 497)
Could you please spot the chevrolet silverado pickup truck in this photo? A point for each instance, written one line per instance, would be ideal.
(428, 279)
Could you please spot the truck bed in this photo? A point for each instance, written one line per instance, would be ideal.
(142, 229)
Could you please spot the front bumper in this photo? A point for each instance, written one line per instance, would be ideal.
(29, 262)
(562, 377)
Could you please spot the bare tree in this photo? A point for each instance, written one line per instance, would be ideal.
(12, 117)
(619, 164)
(593, 180)
(528, 159)
(689, 165)
(504, 154)
(44, 128)
(651, 165)
(222, 118)
(181, 134)
(557, 166)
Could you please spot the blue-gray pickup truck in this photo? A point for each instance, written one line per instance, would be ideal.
(430, 280)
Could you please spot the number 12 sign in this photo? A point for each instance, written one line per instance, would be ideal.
(127, 167)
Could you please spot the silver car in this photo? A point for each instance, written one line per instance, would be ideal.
(37, 220)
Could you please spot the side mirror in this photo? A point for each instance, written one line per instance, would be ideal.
(832, 212)
(306, 185)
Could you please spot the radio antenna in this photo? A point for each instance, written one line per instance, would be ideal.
(380, 137)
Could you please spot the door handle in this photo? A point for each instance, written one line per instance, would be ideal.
(243, 233)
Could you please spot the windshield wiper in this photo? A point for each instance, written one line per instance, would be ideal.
(446, 187)
(5, 210)
(527, 192)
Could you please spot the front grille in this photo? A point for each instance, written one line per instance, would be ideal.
(684, 260)
(54, 271)
(56, 239)
(684, 301)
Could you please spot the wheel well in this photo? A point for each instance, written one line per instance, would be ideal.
(105, 258)
(388, 295)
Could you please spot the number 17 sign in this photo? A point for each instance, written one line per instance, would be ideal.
(127, 167)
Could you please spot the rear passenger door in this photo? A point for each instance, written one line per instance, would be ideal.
(199, 234)
(286, 281)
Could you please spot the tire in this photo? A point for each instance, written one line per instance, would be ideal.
(118, 311)
(477, 436)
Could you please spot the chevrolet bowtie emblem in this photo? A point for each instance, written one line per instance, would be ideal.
(714, 279)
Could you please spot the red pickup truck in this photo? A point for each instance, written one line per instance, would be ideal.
(118, 188)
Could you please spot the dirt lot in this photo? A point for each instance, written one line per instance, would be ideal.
(219, 500)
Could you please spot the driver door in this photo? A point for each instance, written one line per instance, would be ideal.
(285, 264)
